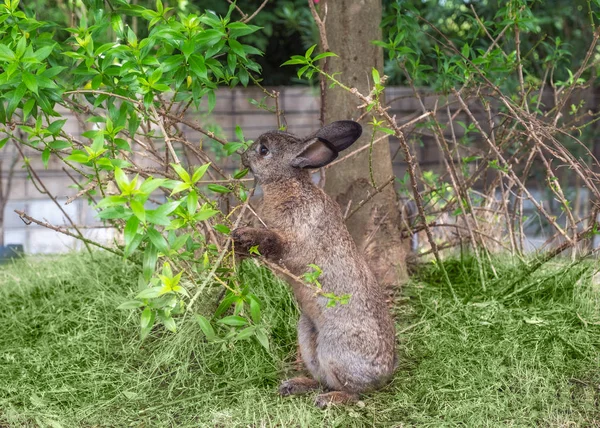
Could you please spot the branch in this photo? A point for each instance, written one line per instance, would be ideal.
(224, 251)
(371, 196)
(36, 177)
(248, 19)
(28, 220)
(195, 126)
(325, 48)
(161, 123)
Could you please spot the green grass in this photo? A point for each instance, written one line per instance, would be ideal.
(522, 353)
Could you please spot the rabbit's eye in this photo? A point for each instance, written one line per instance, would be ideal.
(263, 150)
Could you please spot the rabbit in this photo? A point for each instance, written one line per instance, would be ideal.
(347, 348)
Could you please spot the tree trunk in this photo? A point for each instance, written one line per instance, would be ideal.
(351, 27)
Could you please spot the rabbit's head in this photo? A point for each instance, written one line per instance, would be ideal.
(278, 155)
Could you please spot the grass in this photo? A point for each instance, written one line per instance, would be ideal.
(523, 353)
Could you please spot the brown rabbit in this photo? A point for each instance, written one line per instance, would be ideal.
(347, 348)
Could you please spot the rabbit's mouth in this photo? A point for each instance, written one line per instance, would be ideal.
(245, 160)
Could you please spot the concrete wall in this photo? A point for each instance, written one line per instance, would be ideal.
(301, 107)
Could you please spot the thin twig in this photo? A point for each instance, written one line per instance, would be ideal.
(28, 220)
(249, 18)
(35, 177)
(368, 198)
(222, 254)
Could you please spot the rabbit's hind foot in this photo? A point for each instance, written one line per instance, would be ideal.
(335, 397)
(297, 385)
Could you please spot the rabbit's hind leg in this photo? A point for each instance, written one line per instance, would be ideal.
(307, 341)
(297, 385)
(335, 397)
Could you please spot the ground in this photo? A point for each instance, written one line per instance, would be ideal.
(524, 352)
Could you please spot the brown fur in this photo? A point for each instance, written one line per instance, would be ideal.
(347, 348)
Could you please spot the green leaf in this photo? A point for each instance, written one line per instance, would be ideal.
(192, 202)
(179, 241)
(222, 228)
(237, 48)
(294, 61)
(30, 81)
(233, 320)
(231, 62)
(56, 126)
(43, 52)
(134, 244)
(206, 328)
(161, 87)
(262, 338)
(169, 323)
(198, 67)
(138, 210)
(46, 157)
(113, 213)
(243, 76)
(149, 263)
(465, 50)
(158, 240)
(180, 187)
(181, 172)
(255, 310)
(239, 29)
(147, 318)
(157, 218)
(302, 70)
(160, 215)
(131, 304)
(241, 174)
(151, 184)
(209, 37)
(232, 147)
(121, 179)
(218, 188)
(28, 107)
(77, 157)
(376, 77)
(199, 172)
(205, 213)
(16, 98)
(155, 76)
(131, 228)
(225, 304)
(246, 333)
(6, 54)
(309, 51)
(324, 55)
(21, 46)
(111, 201)
(149, 293)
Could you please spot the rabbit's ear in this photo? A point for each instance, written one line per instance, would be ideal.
(316, 154)
(341, 134)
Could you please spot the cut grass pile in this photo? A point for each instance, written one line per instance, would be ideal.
(522, 353)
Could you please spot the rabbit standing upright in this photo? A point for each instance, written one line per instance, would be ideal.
(348, 348)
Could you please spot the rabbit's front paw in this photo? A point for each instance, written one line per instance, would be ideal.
(269, 243)
(244, 237)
